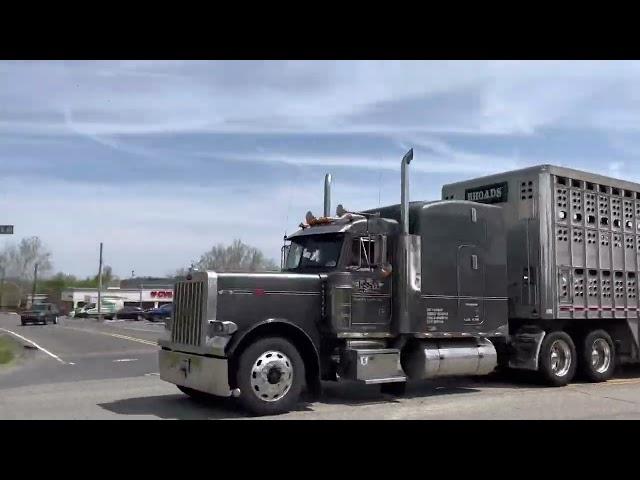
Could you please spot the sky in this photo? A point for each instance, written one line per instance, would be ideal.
(161, 160)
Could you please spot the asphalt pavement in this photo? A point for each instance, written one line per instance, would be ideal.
(83, 369)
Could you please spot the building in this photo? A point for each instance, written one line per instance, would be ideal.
(151, 296)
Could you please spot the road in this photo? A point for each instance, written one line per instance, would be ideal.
(89, 370)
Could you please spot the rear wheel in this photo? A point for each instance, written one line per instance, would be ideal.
(55, 320)
(270, 376)
(557, 361)
(597, 356)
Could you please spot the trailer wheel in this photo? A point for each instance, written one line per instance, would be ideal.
(557, 363)
(270, 376)
(597, 356)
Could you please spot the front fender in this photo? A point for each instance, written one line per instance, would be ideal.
(238, 337)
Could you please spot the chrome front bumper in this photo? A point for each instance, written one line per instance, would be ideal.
(205, 374)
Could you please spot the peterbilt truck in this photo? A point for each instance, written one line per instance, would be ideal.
(534, 269)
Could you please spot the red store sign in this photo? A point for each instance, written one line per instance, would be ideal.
(162, 294)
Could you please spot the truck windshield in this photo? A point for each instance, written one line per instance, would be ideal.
(317, 252)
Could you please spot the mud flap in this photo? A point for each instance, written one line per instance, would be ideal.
(525, 350)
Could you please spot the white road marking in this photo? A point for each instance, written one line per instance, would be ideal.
(35, 345)
(125, 337)
(71, 363)
(126, 360)
(151, 374)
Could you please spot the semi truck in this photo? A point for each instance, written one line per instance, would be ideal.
(530, 270)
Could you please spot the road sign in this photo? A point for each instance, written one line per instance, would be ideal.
(6, 229)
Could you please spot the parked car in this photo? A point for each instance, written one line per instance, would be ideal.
(109, 307)
(81, 312)
(161, 313)
(130, 312)
(40, 313)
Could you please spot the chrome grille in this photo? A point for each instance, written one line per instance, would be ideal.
(189, 309)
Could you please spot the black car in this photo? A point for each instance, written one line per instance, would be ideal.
(130, 312)
(40, 313)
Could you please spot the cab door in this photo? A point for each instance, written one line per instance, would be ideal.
(371, 284)
(471, 286)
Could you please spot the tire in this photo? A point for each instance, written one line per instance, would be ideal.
(558, 359)
(597, 369)
(396, 389)
(280, 364)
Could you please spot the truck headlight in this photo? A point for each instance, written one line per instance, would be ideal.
(218, 327)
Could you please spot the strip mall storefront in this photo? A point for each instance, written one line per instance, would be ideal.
(139, 297)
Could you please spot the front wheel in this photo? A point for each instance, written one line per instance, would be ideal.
(55, 320)
(557, 363)
(270, 376)
(597, 356)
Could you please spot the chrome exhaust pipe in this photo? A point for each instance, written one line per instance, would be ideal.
(403, 322)
(404, 191)
(327, 195)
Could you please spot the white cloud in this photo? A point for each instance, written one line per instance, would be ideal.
(109, 98)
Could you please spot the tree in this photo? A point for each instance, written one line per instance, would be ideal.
(237, 257)
(19, 260)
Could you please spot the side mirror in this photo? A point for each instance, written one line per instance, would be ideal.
(284, 253)
(380, 253)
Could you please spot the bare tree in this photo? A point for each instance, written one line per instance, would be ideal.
(237, 257)
(19, 260)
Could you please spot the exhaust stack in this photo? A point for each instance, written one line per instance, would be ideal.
(327, 195)
(403, 276)
(404, 191)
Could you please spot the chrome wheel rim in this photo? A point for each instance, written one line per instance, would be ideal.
(560, 354)
(271, 376)
(600, 355)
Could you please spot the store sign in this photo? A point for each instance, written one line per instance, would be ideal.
(162, 294)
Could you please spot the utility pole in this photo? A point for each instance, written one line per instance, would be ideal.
(35, 285)
(100, 286)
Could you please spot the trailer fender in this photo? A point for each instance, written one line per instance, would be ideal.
(284, 328)
(525, 349)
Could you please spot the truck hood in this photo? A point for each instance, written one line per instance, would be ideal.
(268, 283)
(249, 298)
